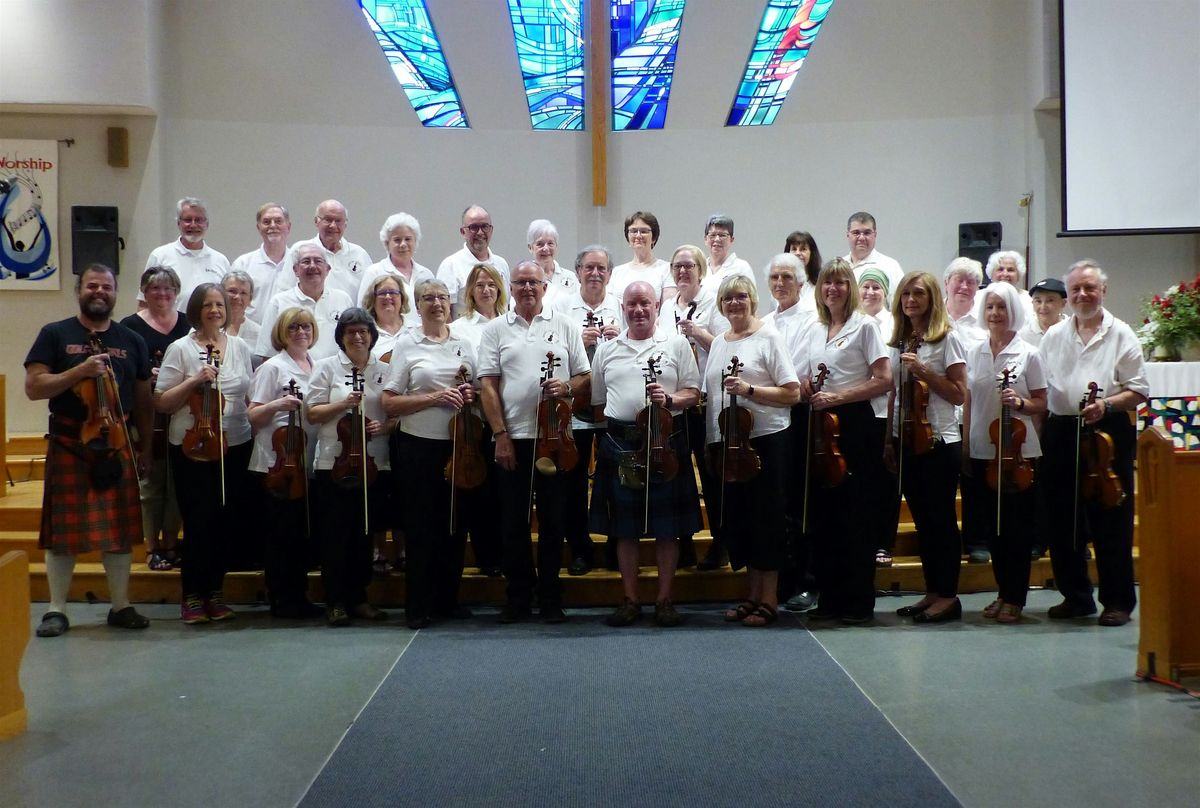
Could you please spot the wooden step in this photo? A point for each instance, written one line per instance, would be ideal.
(26, 541)
(25, 468)
(26, 443)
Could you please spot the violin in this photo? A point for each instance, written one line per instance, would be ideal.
(206, 441)
(288, 478)
(1098, 481)
(103, 429)
(554, 447)
(734, 460)
(466, 467)
(582, 406)
(823, 440)
(916, 434)
(1008, 471)
(354, 465)
(656, 460)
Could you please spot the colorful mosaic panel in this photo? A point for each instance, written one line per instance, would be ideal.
(785, 36)
(405, 33)
(645, 36)
(549, 36)
(1180, 417)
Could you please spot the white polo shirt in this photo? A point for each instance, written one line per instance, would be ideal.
(325, 311)
(270, 383)
(387, 268)
(346, 266)
(193, 267)
(890, 267)
(563, 283)
(848, 356)
(1032, 331)
(657, 275)
(938, 357)
(717, 275)
(1112, 358)
(470, 327)
(515, 350)
(184, 358)
(268, 277)
(884, 322)
(983, 381)
(619, 371)
(331, 382)
(423, 365)
(704, 312)
(765, 363)
(454, 269)
(576, 309)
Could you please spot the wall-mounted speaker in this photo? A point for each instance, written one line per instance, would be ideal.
(94, 238)
(118, 147)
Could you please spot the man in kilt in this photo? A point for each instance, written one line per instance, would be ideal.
(91, 493)
(629, 500)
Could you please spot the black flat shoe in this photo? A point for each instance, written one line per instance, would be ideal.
(913, 610)
(951, 612)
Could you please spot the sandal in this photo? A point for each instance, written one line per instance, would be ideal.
(158, 563)
(740, 612)
(1009, 613)
(883, 558)
(993, 608)
(763, 615)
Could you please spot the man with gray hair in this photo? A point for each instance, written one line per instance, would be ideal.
(193, 260)
(476, 231)
(311, 293)
(347, 261)
(267, 266)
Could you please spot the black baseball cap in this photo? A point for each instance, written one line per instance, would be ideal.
(1050, 285)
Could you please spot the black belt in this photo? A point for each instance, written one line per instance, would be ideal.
(628, 430)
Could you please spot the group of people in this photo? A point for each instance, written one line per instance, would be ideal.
(302, 401)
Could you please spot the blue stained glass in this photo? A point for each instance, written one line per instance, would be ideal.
(644, 36)
(405, 33)
(549, 36)
(785, 36)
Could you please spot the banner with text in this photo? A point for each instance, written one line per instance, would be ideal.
(29, 215)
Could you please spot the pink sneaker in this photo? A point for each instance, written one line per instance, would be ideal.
(191, 611)
(215, 608)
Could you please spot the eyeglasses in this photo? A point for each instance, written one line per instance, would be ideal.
(718, 236)
(639, 231)
(193, 220)
(478, 228)
(684, 266)
(387, 293)
(294, 327)
(594, 269)
(735, 296)
(357, 333)
(528, 283)
(435, 298)
(331, 220)
(862, 233)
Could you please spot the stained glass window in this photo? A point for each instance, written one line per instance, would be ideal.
(405, 33)
(645, 36)
(549, 35)
(785, 35)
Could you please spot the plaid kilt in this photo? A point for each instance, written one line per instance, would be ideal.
(620, 511)
(76, 518)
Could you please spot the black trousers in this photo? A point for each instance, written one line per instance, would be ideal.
(346, 548)
(576, 514)
(288, 552)
(884, 518)
(210, 529)
(929, 482)
(1010, 547)
(481, 511)
(434, 555)
(974, 521)
(844, 547)
(1111, 530)
(551, 494)
(754, 524)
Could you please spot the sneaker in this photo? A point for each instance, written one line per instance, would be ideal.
(337, 616)
(127, 618)
(53, 624)
(665, 614)
(215, 608)
(883, 558)
(801, 601)
(191, 611)
(625, 615)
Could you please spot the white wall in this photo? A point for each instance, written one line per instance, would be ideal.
(920, 111)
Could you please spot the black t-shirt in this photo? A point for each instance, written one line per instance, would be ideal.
(156, 341)
(63, 345)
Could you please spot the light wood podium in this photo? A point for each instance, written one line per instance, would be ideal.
(1169, 558)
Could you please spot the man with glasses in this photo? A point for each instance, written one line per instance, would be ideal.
(267, 266)
(723, 262)
(193, 260)
(347, 261)
(517, 351)
(861, 233)
(311, 293)
(476, 231)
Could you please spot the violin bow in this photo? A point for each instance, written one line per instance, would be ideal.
(220, 423)
(357, 385)
(1078, 442)
(462, 373)
(651, 375)
(1000, 451)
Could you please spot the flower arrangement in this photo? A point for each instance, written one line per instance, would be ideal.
(1172, 318)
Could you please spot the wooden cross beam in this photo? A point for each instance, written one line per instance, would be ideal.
(598, 96)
